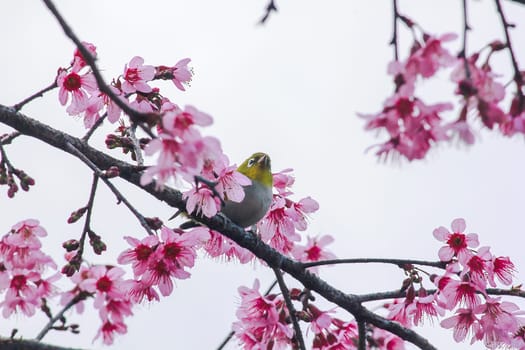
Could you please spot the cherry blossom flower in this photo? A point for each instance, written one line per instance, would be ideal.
(314, 250)
(282, 182)
(458, 243)
(178, 122)
(503, 269)
(431, 56)
(203, 201)
(498, 322)
(220, 246)
(78, 61)
(412, 126)
(464, 322)
(175, 252)
(108, 331)
(140, 290)
(181, 73)
(78, 86)
(113, 110)
(140, 254)
(320, 320)
(93, 110)
(477, 267)
(399, 311)
(24, 234)
(462, 292)
(105, 282)
(278, 227)
(136, 76)
(480, 90)
(424, 306)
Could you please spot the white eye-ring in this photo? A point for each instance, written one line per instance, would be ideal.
(251, 162)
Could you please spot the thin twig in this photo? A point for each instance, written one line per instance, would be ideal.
(518, 79)
(17, 107)
(88, 215)
(466, 28)
(268, 11)
(395, 294)
(95, 126)
(398, 262)
(291, 309)
(78, 298)
(112, 187)
(393, 42)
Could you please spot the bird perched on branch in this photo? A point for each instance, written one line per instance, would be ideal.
(257, 196)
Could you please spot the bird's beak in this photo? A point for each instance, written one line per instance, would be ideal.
(264, 161)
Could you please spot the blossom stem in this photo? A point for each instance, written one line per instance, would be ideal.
(290, 307)
(87, 223)
(402, 293)
(393, 42)
(518, 79)
(466, 28)
(95, 126)
(60, 315)
(398, 262)
(112, 187)
(17, 107)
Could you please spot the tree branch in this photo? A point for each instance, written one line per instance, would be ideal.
(24, 344)
(273, 258)
(399, 262)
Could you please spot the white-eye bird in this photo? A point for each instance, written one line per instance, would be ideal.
(257, 196)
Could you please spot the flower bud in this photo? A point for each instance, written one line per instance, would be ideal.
(112, 171)
(76, 215)
(154, 223)
(71, 244)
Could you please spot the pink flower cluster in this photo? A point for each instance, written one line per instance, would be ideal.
(264, 323)
(22, 267)
(78, 83)
(182, 151)
(262, 320)
(156, 262)
(463, 290)
(110, 292)
(413, 127)
(279, 227)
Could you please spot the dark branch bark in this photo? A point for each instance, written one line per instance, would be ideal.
(21, 344)
(273, 258)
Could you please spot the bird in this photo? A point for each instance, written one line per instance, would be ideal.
(257, 196)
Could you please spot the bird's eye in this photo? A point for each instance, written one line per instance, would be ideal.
(251, 162)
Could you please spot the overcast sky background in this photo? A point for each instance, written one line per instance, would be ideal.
(291, 88)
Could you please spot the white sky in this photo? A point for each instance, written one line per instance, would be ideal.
(292, 89)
